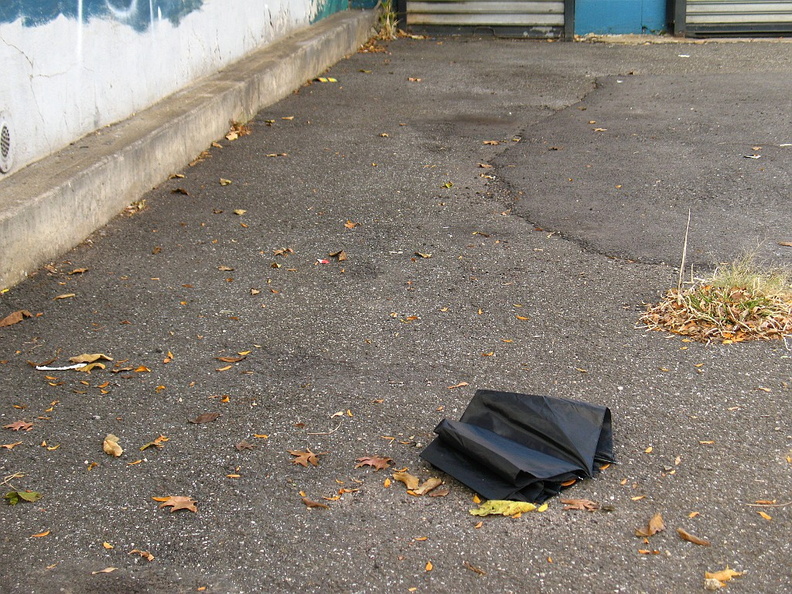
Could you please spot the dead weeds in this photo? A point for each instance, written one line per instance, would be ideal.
(739, 302)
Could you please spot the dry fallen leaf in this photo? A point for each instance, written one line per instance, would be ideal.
(765, 516)
(145, 554)
(440, 491)
(159, 442)
(410, 481)
(244, 445)
(429, 566)
(310, 503)
(428, 486)
(204, 418)
(111, 447)
(177, 502)
(40, 534)
(15, 318)
(722, 576)
(10, 446)
(694, 539)
(376, 462)
(304, 458)
(505, 508)
(581, 504)
(473, 568)
(654, 526)
(17, 425)
(105, 570)
(90, 358)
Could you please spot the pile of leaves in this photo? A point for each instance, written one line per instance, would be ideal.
(736, 304)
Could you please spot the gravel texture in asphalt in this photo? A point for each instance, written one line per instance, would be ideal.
(505, 209)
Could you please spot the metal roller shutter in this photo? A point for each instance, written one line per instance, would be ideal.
(737, 16)
(535, 18)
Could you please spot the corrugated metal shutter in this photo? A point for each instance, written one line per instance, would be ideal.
(536, 18)
(738, 16)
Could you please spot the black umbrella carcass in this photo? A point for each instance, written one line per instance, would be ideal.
(522, 447)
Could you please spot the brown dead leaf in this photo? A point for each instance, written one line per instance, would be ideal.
(310, 503)
(340, 255)
(145, 554)
(244, 445)
(459, 385)
(473, 568)
(105, 570)
(580, 504)
(492, 142)
(410, 481)
(694, 539)
(111, 447)
(159, 442)
(15, 318)
(64, 296)
(177, 502)
(440, 491)
(785, 243)
(230, 359)
(40, 534)
(376, 462)
(350, 224)
(428, 486)
(306, 457)
(10, 446)
(90, 358)
(205, 418)
(654, 526)
(19, 425)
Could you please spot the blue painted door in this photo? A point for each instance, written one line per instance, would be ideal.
(619, 17)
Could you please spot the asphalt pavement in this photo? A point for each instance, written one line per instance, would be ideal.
(445, 215)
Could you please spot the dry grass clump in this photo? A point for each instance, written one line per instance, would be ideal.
(739, 302)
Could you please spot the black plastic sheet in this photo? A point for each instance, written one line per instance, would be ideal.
(522, 447)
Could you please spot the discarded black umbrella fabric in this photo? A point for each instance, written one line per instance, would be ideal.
(522, 447)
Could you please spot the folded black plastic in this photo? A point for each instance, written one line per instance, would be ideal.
(522, 447)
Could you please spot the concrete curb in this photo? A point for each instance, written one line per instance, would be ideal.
(54, 204)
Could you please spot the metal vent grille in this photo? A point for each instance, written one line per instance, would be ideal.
(6, 145)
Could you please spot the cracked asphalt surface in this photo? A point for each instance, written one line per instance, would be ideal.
(493, 237)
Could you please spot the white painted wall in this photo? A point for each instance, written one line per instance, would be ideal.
(64, 79)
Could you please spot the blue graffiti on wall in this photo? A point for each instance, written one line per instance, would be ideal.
(135, 13)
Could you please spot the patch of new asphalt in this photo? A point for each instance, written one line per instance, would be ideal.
(539, 268)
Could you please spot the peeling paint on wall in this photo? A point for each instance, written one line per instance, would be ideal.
(139, 14)
(72, 67)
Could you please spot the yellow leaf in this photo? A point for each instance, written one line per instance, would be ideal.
(478, 525)
(429, 566)
(107, 545)
(502, 508)
(476, 499)
(724, 575)
(111, 447)
(764, 515)
(225, 182)
(648, 450)
(387, 483)
(40, 534)
(261, 436)
(654, 526)
(410, 481)
(64, 296)
(522, 317)
(693, 514)
(90, 358)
